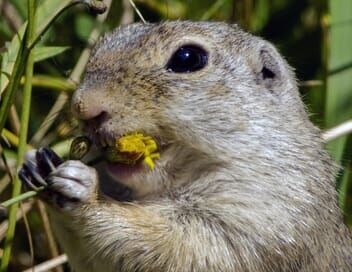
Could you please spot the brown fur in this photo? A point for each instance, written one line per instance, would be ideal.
(243, 182)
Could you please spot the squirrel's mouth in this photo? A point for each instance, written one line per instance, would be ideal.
(134, 155)
(127, 149)
(122, 171)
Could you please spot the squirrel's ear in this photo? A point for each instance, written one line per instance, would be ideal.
(271, 70)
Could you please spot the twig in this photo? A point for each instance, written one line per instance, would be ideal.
(29, 234)
(338, 131)
(14, 120)
(311, 83)
(26, 208)
(11, 15)
(50, 118)
(46, 266)
(214, 8)
(247, 12)
(137, 11)
(4, 182)
(93, 37)
(128, 15)
(54, 251)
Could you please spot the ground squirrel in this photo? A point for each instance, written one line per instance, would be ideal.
(243, 182)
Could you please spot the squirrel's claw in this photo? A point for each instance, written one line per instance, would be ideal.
(33, 174)
(37, 168)
(51, 155)
(26, 178)
(47, 161)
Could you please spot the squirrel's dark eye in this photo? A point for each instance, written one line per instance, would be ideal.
(188, 58)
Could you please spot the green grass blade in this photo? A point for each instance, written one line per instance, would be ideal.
(345, 196)
(13, 82)
(53, 83)
(339, 81)
(20, 197)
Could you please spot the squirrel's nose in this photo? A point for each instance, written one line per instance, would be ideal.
(85, 105)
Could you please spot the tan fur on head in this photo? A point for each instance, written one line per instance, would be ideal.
(243, 182)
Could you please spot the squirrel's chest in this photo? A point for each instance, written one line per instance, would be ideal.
(81, 256)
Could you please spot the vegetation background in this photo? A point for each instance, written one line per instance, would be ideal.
(314, 35)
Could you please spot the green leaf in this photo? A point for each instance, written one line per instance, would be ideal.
(44, 52)
(83, 26)
(9, 58)
(48, 11)
(45, 14)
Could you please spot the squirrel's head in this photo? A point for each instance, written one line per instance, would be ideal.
(209, 93)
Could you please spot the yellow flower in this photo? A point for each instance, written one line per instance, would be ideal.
(132, 148)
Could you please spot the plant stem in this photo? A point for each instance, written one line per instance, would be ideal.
(137, 11)
(211, 11)
(54, 83)
(10, 202)
(97, 6)
(14, 82)
(11, 138)
(14, 120)
(27, 92)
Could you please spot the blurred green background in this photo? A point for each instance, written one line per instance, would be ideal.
(315, 36)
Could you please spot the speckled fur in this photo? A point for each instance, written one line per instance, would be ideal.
(243, 183)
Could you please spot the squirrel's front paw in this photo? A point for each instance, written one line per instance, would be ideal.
(66, 184)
